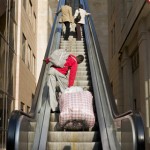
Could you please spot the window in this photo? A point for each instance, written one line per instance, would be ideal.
(113, 40)
(135, 61)
(12, 34)
(28, 109)
(30, 10)
(33, 65)
(128, 6)
(125, 10)
(29, 57)
(22, 106)
(23, 47)
(34, 23)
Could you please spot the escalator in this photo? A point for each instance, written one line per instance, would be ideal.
(40, 130)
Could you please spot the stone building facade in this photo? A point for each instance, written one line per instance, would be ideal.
(129, 57)
(25, 27)
(17, 58)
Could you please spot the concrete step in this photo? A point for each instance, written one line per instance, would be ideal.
(73, 146)
(73, 136)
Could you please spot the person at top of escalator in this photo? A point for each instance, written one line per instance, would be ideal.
(66, 17)
(81, 22)
(59, 75)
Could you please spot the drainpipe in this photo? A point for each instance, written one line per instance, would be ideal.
(18, 56)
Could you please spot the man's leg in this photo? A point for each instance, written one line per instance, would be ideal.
(62, 81)
(52, 89)
(67, 24)
(78, 32)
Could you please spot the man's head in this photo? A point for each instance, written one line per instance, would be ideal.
(80, 59)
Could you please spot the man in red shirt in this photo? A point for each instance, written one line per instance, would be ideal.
(59, 75)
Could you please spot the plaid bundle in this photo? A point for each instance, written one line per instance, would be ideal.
(76, 106)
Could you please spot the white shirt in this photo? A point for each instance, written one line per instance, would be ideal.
(83, 13)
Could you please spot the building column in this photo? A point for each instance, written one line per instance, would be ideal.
(127, 82)
(144, 67)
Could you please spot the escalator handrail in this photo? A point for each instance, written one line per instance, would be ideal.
(12, 128)
(16, 114)
(138, 127)
(106, 78)
(44, 65)
(139, 140)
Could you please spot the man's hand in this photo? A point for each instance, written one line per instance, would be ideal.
(47, 60)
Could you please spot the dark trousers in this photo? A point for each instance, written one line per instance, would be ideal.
(78, 30)
(66, 36)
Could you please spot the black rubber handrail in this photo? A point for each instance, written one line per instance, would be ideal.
(12, 128)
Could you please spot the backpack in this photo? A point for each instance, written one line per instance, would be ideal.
(58, 57)
(78, 18)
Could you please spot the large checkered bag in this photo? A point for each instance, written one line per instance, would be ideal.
(76, 110)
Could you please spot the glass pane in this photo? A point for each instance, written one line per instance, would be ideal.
(2, 62)
(23, 47)
(5, 110)
(12, 34)
(11, 73)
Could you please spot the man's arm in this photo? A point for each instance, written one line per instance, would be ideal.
(58, 11)
(72, 74)
(47, 60)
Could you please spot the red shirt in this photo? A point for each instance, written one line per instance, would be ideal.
(71, 64)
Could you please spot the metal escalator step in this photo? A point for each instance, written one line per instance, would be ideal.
(74, 43)
(77, 53)
(80, 136)
(54, 126)
(82, 83)
(29, 146)
(83, 64)
(73, 146)
(31, 136)
(73, 49)
(82, 73)
(54, 117)
(126, 136)
(83, 77)
(127, 146)
(83, 68)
